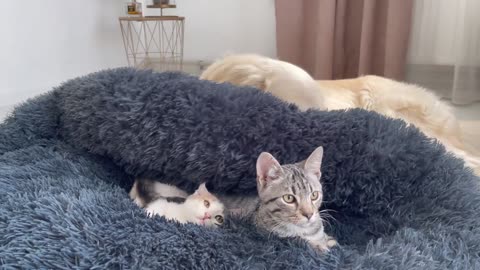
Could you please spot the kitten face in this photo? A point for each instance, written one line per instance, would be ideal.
(205, 208)
(290, 194)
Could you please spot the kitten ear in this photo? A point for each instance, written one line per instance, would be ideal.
(202, 189)
(268, 168)
(313, 163)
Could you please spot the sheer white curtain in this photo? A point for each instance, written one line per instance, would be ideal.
(444, 52)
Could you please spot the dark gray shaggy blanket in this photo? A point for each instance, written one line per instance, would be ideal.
(66, 160)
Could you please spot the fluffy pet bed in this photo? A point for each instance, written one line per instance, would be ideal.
(67, 159)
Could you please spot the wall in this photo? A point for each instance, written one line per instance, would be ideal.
(47, 42)
(216, 27)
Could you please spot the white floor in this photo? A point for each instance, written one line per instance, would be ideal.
(468, 112)
(469, 117)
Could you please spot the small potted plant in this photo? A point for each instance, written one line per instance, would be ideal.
(133, 8)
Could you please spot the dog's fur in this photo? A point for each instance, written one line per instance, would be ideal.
(414, 104)
(280, 78)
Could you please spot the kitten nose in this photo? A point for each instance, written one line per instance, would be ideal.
(207, 215)
(308, 215)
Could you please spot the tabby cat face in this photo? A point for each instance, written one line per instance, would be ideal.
(290, 193)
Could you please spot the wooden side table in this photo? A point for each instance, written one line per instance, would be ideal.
(154, 42)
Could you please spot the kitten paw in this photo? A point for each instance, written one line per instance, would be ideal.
(320, 247)
(325, 244)
(331, 243)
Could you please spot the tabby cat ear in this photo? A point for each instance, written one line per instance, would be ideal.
(268, 168)
(314, 162)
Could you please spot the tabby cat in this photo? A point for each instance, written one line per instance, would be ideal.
(288, 201)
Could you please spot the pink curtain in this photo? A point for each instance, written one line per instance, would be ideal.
(336, 39)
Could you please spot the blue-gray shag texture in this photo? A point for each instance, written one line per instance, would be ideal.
(68, 158)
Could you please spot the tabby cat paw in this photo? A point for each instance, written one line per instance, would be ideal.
(325, 244)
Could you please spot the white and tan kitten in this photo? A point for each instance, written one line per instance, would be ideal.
(144, 191)
(201, 207)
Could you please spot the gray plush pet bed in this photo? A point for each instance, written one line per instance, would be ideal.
(68, 158)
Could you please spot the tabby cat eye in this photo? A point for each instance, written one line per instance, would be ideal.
(206, 203)
(314, 196)
(219, 219)
(288, 198)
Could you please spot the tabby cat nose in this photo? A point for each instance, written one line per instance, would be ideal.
(308, 215)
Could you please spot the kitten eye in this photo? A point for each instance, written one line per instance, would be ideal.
(206, 203)
(219, 219)
(288, 198)
(314, 196)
